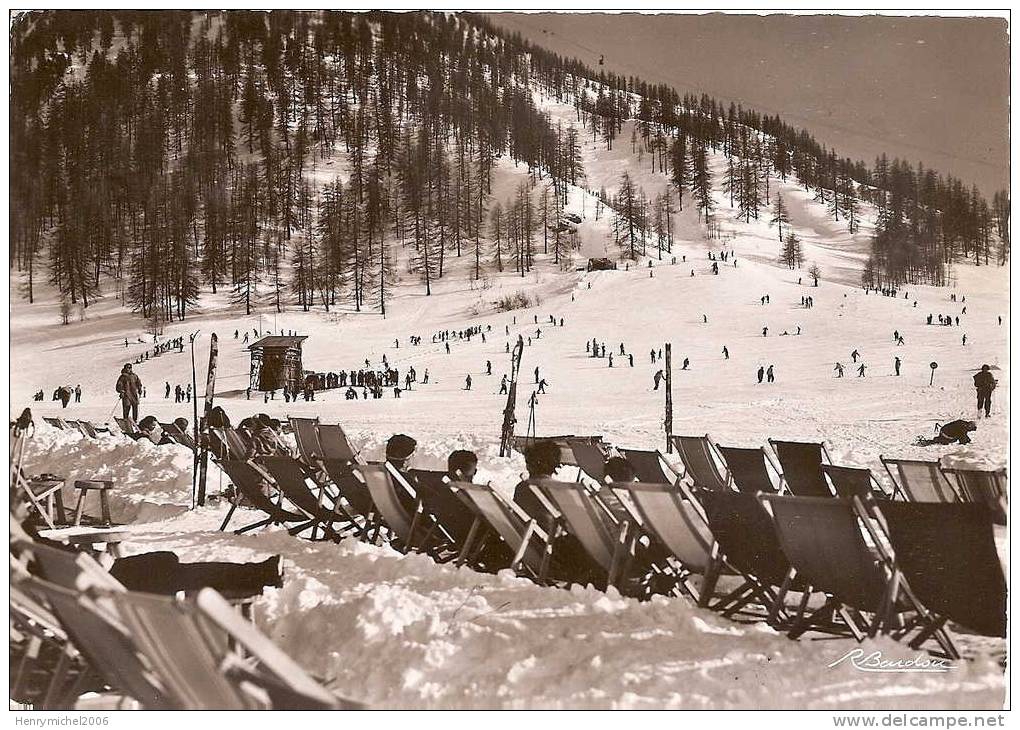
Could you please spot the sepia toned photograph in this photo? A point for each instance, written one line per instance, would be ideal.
(471, 360)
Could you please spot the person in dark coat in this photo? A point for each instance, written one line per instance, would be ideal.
(985, 383)
(129, 388)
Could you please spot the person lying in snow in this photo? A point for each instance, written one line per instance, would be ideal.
(951, 433)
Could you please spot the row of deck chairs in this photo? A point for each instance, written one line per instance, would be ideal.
(76, 629)
(805, 469)
(875, 565)
(85, 428)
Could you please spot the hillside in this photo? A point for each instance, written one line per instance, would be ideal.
(371, 231)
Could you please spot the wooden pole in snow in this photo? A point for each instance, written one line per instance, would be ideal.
(669, 398)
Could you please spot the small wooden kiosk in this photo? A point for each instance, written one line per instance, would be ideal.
(276, 362)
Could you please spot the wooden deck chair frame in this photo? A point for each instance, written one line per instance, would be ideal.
(824, 459)
(778, 484)
(990, 488)
(904, 490)
(335, 444)
(896, 595)
(427, 533)
(513, 525)
(637, 497)
(20, 482)
(608, 543)
(289, 476)
(350, 486)
(242, 475)
(712, 457)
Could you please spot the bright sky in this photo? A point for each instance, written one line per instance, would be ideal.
(934, 90)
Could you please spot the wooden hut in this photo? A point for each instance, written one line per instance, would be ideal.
(276, 362)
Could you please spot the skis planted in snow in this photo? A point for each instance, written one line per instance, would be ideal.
(509, 420)
(202, 455)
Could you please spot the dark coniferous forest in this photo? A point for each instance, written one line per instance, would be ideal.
(157, 155)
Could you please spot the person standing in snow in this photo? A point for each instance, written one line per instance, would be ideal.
(503, 385)
(541, 385)
(965, 340)
(985, 383)
(467, 382)
(896, 365)
(860, 371)
(630, 357)
(839, 369)
(77, 393)
(761, 373)
(488, 367)
(658, 379)
(854, 355)
(725, 352)
(687, 364)
(129, 388)
(653, 356)
(166, 395)
(770, 375)
(764, 331)
(610, 359)
(536, 373)
(447, 348)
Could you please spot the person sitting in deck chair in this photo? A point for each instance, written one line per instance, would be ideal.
(571, 560)
(399, 450)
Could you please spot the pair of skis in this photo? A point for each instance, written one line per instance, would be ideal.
(200, 426)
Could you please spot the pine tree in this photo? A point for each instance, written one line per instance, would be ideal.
(779, 214)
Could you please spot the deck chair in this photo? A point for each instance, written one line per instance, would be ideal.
(822, 538)
(335, 444)
(746, 539)
(55, 422)
(919, 481)
(229, 444)
(127, 426)
(395, 500)
(43, 494)
(530, 544)
(46, 670)
(446, 519)
(849, 482)
(985, 487)
(608, 543)
(192, 655)
(177, 435)
(248, 480)
(802, 467)
(351, 486)
(947, 554)
(749, 469)
(647, 466)
(306, 434)
(88, 429)
(679, 525)
(587, 457)
(290, 476)
(697, 454)
(93, 624)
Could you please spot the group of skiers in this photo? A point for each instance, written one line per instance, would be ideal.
(182, 394)
(64, 394)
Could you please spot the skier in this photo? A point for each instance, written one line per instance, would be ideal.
(839, 369)
(425, 378)
(189, 392)
(896, 365)
(166, 395)
(725, 352)
(764, 331)
(467, 383)
(610, 359)
(622, 351)
(536, 373)
(985, 383)
(630, 357)
(687, 364)
(965, 340)
(658, 379)
(653, 356)
(77, 393)
(770, 375)
(541, 385)
(761, 373)
(447, 348)
(128, 387)
(860, 371)
(704, 318)
(488, 367)
(855, 355)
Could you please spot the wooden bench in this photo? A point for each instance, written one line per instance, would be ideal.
(84, 486)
